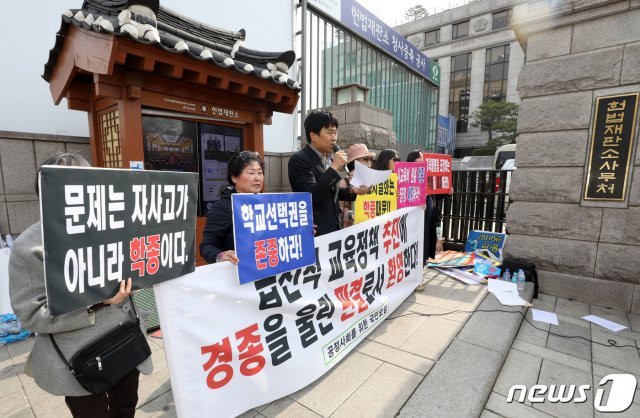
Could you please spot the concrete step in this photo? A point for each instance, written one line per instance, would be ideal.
(460, 382)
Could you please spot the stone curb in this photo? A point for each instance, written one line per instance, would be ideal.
(460, 382)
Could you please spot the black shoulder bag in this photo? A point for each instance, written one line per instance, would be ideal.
(101, 364)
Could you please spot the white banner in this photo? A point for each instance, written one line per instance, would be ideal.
(233, 347)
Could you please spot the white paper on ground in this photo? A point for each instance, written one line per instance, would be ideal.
(502, 286)
(365, 176)
(610, 325)
(510, 299)
(506, 292)
(544, 316)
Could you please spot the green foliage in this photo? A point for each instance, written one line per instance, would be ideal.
(416, 12)
(497, 117)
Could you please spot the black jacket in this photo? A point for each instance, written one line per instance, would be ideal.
(307, 174)
(432, 219)
(218, 231)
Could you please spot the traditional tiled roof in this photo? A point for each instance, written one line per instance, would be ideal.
(148, 22)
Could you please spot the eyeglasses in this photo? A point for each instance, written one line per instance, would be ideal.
(368, 159)
(248, 155)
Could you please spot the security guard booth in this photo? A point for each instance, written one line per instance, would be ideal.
(166, 92)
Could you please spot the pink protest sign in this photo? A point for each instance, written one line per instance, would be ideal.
(438, 173)
(412, 186)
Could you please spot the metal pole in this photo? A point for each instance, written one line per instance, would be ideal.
(303, 68)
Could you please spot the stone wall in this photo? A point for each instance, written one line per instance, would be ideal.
(22, 153)
(20, 156)
(366, 124)
(276, 172)
(576, 51)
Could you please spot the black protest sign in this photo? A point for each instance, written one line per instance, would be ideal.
(101, 226)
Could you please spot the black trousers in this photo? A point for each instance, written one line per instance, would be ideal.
(119, 401)
(431, 221)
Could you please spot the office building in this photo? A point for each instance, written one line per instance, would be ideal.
(479, 59)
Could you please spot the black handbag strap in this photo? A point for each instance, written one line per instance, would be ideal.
(53, 341)
(73, 372)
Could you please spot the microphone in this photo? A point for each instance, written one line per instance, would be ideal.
(335, 149)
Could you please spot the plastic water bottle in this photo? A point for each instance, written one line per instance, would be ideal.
(506, 276)
(11, 330)
(9, 240)
(4, 329)
(521, 279)
(15, 327)
(9, 324)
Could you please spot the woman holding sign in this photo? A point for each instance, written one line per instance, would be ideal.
(245, 174)
(72, 331)
(432, 219)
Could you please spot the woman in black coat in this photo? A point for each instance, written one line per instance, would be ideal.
(245, 174)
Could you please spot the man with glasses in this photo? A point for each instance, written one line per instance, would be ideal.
(314, 169)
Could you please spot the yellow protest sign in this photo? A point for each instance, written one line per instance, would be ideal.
(381, 199)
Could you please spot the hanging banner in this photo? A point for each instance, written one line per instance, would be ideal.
(273, 233)
(438, 173)
(412, 185)
(381, 199)
(101, 226)
(233, 347)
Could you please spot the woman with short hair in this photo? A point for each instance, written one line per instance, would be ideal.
(245, 174)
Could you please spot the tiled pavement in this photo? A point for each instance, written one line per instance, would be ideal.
(410, 366)
(537, 357)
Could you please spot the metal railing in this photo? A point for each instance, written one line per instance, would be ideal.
(479, 202)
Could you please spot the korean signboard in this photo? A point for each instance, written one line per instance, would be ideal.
(194, 106)
(611, 147)
(224, 341)
(368, 26)
(101, 226)
(273, 233)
